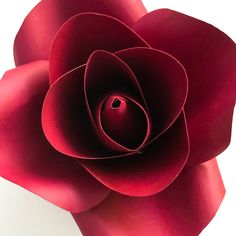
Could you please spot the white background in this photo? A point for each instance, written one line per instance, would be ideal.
(24, 214)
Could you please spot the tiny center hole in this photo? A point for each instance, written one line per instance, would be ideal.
(115, 103)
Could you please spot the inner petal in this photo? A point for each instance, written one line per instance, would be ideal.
(105, 74)
(123, 121)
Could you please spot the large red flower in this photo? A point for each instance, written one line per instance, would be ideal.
(116, 115)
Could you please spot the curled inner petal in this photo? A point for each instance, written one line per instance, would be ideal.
(163, 81)
(107, 77)
(66, 122)
(123, 121)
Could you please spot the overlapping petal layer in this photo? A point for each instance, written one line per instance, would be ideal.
(107, 74)
(66, 121)
(149, 171)
(26, 158)
(107, 77)
(183, 209)
(209, 57)
(42, 23)
(125, 122)
(85, 33)
(90, 107)
(163, 82)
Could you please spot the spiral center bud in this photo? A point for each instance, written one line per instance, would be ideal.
(124, 121)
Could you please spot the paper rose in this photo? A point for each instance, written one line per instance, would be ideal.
(117, 115)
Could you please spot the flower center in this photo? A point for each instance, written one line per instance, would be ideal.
(124, 121)
(116, 103)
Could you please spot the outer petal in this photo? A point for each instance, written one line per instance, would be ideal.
(26, 158)
(183, 209)
(42, 23)
(209, 57)
(85, 33)
(149, 171)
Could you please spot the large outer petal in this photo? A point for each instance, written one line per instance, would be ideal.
(42, 23)
(209, 57)
(148, 171)
(26, 158)
(183, 209)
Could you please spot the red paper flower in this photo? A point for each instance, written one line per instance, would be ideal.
(116, 115)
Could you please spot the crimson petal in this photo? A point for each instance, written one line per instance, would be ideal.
(123, 122)
(184, 208)
(107, 74)
(26, 158)
(42, 23)
(209, 57)
(163, 81)
(149, 171)
(85, 33)
(66, 121)
(108, 78)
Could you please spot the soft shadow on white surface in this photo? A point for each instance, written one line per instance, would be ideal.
(25, 214)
